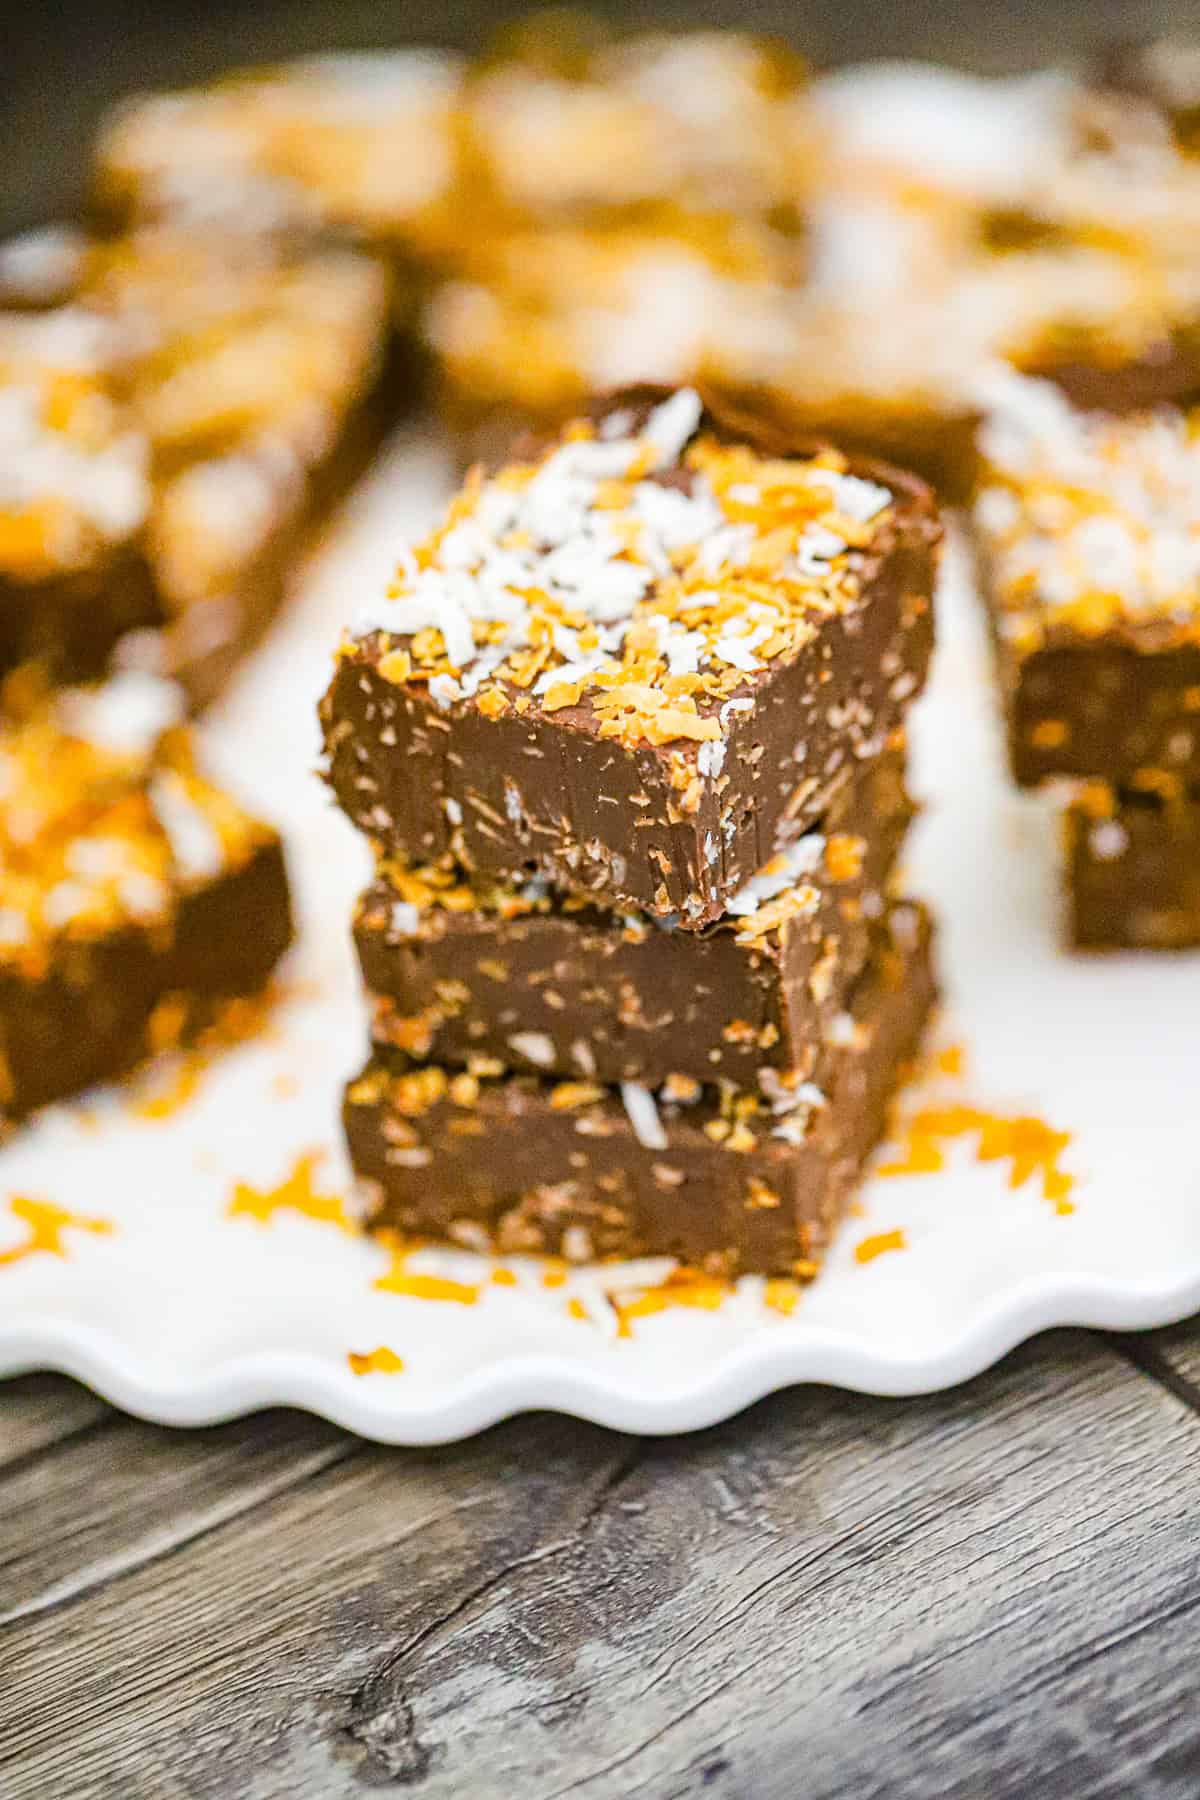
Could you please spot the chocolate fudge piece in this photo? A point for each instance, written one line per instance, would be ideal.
(359, 145)
(1163, 369)
(167, 435)
(562, 123)
(458, 970)
(74, 495)
(1133, 871)
(637, 662)
(1114, 159)
(255, 380)
(1086, 528)
(722, 1181)
(1145, 91)
(134, 896)
(537, 320)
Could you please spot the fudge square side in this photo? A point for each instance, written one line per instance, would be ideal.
(478, 973)
(1133, 870)
(75, 496)
(635, 662)
(135, 897)
(1087, 527)
(726, 1184)
(170, 428)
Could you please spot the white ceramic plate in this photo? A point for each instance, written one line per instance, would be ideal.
(186, 1312)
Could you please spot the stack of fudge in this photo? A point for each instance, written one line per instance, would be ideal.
(1088, 527)
(626, 736)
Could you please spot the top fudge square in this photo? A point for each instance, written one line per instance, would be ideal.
(635, 660)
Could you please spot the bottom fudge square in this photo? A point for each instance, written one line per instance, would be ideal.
(135, 897)
(715, 1177)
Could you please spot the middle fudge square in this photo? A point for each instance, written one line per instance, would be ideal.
(719, 1177)
(479, 973)
(636, 661)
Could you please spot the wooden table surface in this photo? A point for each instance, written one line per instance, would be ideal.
(985, 1594)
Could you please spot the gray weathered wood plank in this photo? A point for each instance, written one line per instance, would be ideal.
(99, 1510)
(38, 1411)
(987, 1592)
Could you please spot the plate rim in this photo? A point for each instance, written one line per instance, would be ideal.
(540, 1381)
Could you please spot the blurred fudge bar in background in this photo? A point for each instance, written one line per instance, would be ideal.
(135, 897)
(1088, 531)
(1103, 156)
(536, 321)
(1133, 869)
(629, 208)
(360, 146)
(566, 122)
(175, 411)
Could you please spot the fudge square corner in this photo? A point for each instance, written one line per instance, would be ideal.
(636, 659)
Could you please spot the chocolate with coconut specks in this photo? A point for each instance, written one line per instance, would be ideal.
(1133, 871)
(457, 969)
(1088, 531)
(727, 1184)
(135, 897)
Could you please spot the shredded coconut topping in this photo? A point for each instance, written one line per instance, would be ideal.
(535, 1046)
(643, 1116)
(71, 481)
(126, 716)
(104, 820)
(802, 858)
(364, 138)
(1088, 520)
(709, 119)
(641, 578)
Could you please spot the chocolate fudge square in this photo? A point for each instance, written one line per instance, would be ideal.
(720, 1179)
(356, 146)
(75, 495)
(1087, 531)
(170, 427)
(536, 319)
(569, 121)
(465, 971)
(135, 897)
(637, 661)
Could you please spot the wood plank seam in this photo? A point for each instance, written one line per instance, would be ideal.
(105, 1575)
(1146, 1356)
(379, 1723)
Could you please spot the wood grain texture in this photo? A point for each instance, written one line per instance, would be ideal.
(987, 1593)
(39, 1411)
